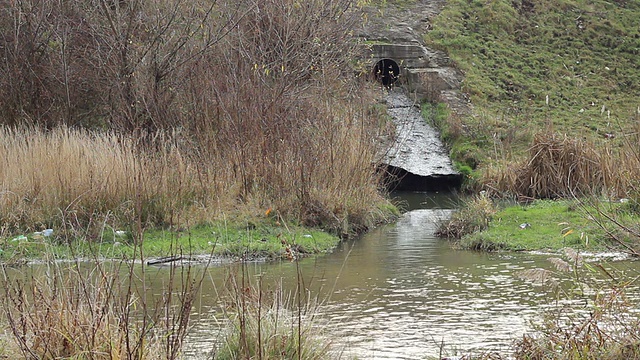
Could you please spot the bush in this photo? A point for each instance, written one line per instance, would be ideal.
(194, 109)
(474, 215)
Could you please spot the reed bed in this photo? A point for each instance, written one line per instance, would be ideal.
(95, 311)
(559, 166)
(77, 179)
(271, 324)
(66, 178)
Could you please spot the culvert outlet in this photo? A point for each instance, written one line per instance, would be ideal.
(398, 179)
(386, 71)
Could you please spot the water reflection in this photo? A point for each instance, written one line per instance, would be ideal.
(400, 293)
(415, 293)
(395, 293)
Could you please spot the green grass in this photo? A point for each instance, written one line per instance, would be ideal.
(437, 115)
(267, 239)
(581, 56)
(400, 4)
(552, 225)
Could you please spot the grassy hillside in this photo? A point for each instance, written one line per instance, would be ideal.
(568, 66)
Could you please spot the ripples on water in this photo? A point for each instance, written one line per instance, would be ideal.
(397, 293)
(400, 293)
(429, 295)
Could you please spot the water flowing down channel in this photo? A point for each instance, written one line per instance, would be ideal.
(417, 157)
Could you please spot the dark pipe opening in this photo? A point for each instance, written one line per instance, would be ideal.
(386, 71)
(398, 179)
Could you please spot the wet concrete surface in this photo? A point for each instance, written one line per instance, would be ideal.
(418, 156)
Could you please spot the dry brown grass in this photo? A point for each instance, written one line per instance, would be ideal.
(249, 106)
(76, 316)
(265, 323)
(67, 178)
(74, 179)
(559, 166)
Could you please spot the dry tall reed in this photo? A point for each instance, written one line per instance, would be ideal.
(212, 108)
(606, 326)
(96, 311)
(72, 179)
(268, 324)
(67, 178)
(559, 166)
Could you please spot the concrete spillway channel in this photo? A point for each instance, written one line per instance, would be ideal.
(416, 160)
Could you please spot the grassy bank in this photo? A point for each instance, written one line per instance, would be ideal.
(100, 193)
(545, 62)
(264, 240)
(554, 108)
(546, 66)
(554, 225)
(555, 113)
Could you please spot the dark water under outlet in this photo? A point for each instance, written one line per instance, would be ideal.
(395, 293)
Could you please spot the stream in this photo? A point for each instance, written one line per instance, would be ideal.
(398, 292)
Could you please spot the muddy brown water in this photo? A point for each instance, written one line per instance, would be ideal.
(397, 292)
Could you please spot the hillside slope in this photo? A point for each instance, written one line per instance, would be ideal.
(569, 66)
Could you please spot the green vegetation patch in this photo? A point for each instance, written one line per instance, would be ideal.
(552, 225)
(270, 240)
(529, 64)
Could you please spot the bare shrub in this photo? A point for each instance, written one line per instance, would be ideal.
(206, 117)
(606, 327)
(293, 122)
(102, 63)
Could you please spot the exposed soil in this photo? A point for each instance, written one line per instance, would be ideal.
(401, 24)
